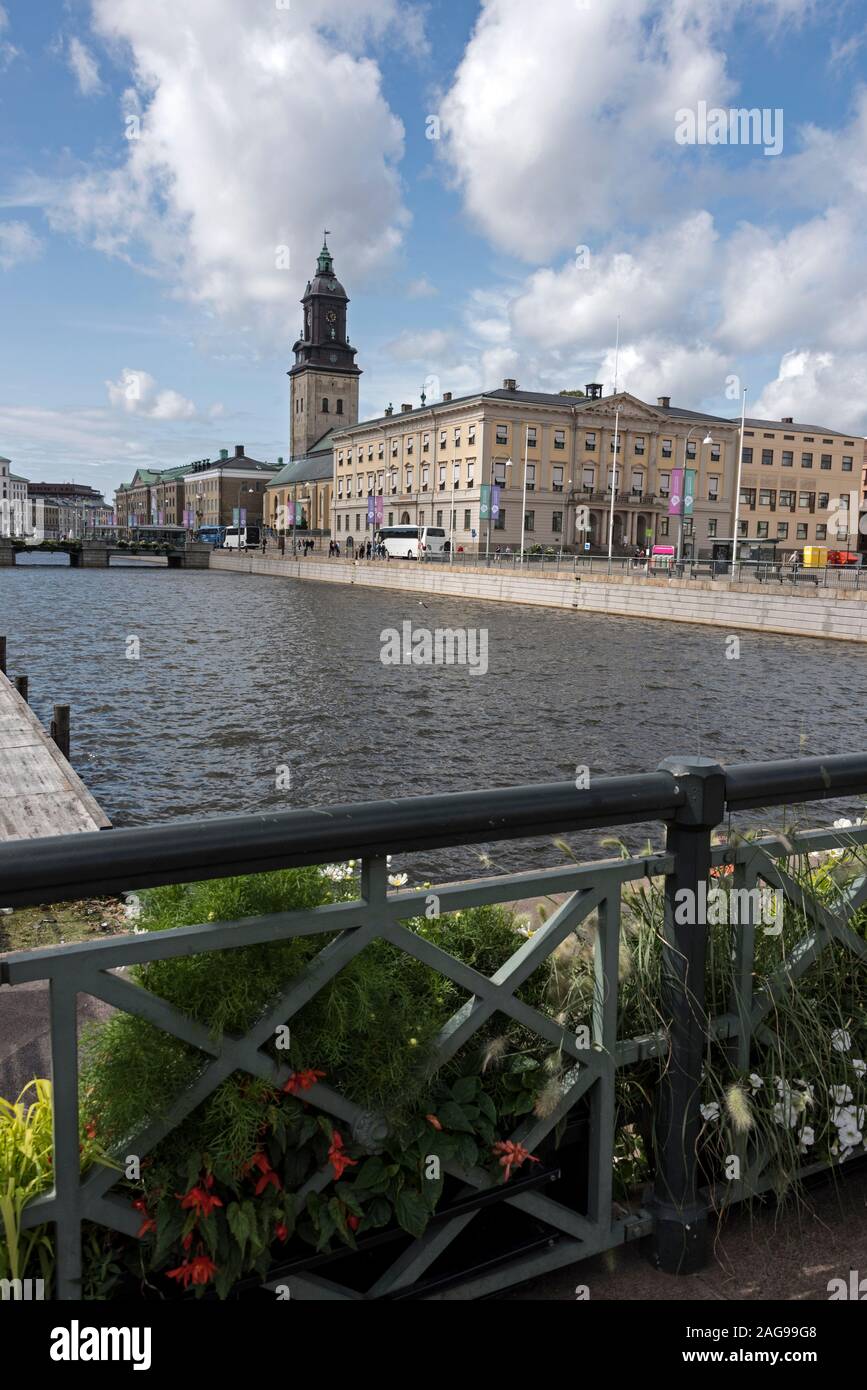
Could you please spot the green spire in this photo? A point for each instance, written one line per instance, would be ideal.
(326, 261)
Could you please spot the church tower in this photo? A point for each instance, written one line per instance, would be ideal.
(324, 380)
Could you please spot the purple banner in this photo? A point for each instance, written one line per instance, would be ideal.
(674, 495)
(495, 502)
(371, 510)
(379, 512)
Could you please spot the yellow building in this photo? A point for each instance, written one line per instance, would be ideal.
(429, 464)
(793, 479)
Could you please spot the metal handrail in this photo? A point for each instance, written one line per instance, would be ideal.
(58, 868)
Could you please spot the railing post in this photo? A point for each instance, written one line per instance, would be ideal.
(680, 1230)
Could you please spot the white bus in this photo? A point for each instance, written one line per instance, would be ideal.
(405, 542)
(248, 537)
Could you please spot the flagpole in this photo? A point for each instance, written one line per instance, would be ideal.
(524, 502)
(738, 485)
(613, 487)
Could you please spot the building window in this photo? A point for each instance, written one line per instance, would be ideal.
(767, 458)
(590, 443)
(847, 463)
(743, 530)
(748, 455)
(439, 518)
(457, 438)
(557, 523)
(325, 405)
(471, 436)
(823, 501)
(767, 497)
(664, 484)
(340, 407)
(425, 479)
(468, 519)
(715, 453)
(358, 521)
(806, 460)
(666, 448)
(442, 479)
(619, 444)
(787, 499)
(457, 475)
(382, 449)
(500, 522)
(391, 518)
(639, 444)
(821, 532)
(531, 477)
(559, 439)
(825, 461)
(805, 500)
(713, 488)
(410, 445)
(425, 443)
(409, 476)
(370, 484)
(801, 531)
(380, 483)
(588, 478)
(748, 497)
(663, 525)
(711, 528)
(788, 458)
(443, 439)
(502, 434)
(637, 482)
(557, 478)
(762, 530)
(529, 521)
(394, 449)
(531, 436)
(782, 530)
(471, 464)
(690, 448)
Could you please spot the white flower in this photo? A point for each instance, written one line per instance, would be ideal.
(806, 1089)
(786, 1112)
(860, 1067)
(840, 1040)
(841, 1094)
(806, 1138)
(398, 880)
(711, 1111)
(842, 824)
(756, 1082)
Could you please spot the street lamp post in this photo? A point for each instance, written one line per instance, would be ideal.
(738, 486)
(243, 490)
(707, 440)
(613, 488)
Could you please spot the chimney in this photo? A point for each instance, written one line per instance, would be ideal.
(447, 395)
(788, 420)
(406, 409)
(510, 384)
(239, 451)
(224, 453)
(663, 402)
(593, 389)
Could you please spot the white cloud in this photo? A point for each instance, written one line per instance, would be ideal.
(560, 120)
(17, 244)
(8, 51)
(84, 68)
(421, 346)
(819, 388)
(137, 393)
(421, 289)
(258, 129)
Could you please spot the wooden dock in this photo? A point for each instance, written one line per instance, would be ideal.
(40, 794)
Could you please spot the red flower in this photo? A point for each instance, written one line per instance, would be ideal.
(148, 1224)
(353, 1222)
(303, 1080)
(338, 1160)
(513, 1156)
(201, 1270)
(200, 1201)
(281, 1232)
(432, 1120)
(90, 1129)
(269, 1179)
(187, 1240)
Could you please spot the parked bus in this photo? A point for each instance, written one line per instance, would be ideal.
(211, 535)
(407, 542)
(243, 538)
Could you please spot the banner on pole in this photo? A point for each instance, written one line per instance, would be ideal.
(495, 503)
(485, 502)
(379, 510)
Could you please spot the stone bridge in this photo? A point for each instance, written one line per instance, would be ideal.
(97, 554)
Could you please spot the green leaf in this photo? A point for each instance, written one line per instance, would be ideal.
(378, 1213)
(453, 1117)
(371, 1174)
(348, 1196)
(411, 1212)
(467, 1150)
(238, 1224)
(487, 1107)
(467, 1088)
(170, 1223)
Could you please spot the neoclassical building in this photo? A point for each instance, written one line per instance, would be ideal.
(429, 464)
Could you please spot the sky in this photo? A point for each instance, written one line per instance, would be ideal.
(502, 181)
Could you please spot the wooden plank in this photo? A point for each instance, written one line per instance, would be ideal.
(40, 793)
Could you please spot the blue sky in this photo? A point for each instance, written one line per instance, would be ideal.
(259, 122)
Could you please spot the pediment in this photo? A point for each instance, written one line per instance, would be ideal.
(632, 411)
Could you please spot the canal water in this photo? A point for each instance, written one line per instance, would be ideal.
(191, 691)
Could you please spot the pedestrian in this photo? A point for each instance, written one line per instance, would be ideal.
(369, 550)
(337, 550)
